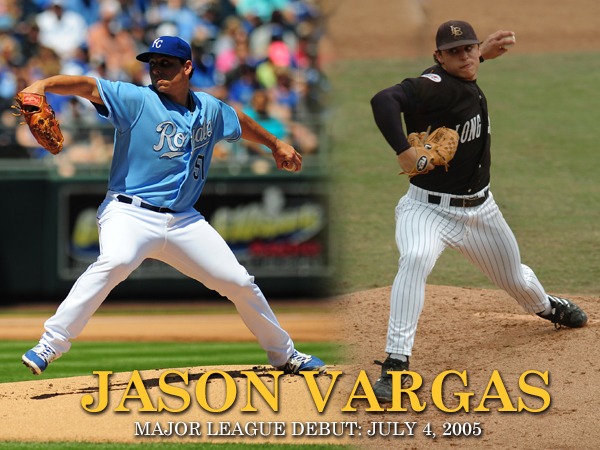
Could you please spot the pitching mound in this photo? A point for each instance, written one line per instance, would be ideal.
(39, 403)
(480, 332)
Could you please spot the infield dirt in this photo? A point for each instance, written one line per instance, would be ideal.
(499, 336)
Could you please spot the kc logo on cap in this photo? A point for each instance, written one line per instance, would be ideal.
(169, 46)
(157, 43)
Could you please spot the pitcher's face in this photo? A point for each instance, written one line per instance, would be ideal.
(462, 61)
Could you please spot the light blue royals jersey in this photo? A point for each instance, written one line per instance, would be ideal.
(163, 150)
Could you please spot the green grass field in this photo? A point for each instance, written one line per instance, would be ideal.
(162, 446)
(86, 357)
(544, 171)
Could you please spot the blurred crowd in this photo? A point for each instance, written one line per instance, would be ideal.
(260, 56)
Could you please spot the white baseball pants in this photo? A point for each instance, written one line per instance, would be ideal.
(128, 235)
(480, 233)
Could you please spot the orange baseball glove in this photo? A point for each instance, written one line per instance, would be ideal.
(41, 120)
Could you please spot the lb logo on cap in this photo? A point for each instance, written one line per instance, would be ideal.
(456, 31)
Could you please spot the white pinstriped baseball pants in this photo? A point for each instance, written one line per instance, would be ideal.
(424, 230)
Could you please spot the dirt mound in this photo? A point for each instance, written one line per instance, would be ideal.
(482, 331)
(39, 403)
(499, 337)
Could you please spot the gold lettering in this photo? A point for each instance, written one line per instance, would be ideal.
(417, 382)
(437, 392)
(142, 394)
(271, 399)
(320, 401)
(496, 381)
(363, 381)
(174, 391)
(230, 391)
(88, 400)
(534, 391)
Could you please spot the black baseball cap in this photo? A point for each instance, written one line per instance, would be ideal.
(455, 33)
(169, 46)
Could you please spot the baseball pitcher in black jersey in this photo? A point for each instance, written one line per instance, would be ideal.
(451, 206)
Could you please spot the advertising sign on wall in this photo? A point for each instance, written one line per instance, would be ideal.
(275, 228)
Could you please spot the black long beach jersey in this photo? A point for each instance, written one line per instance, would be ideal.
(438, 99)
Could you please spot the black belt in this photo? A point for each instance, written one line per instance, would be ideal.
(129, 201)
(461, 202)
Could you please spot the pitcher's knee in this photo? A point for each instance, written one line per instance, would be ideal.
(236, 284)
(119, 265)
(415, 263)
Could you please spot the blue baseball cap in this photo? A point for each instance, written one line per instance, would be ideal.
(169, 46)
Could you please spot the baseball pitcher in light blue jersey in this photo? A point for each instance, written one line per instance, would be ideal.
(163, 145)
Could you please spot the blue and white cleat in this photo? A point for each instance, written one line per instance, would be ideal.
(38, 358)
(302, 362)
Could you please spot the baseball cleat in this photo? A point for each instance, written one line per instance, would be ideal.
(565, 313)
(383, 386)
(299, 362)
(38, 358)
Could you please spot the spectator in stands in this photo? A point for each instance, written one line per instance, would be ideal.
(10, 58)
(107, 40)
(258, 109)
(10, 13)
(279, 56)
(240, 47)
(209, 16)
(78, 63)
(317, 92)
(90, 142)
(228, 35)
(132, 13)
(88, 9)
(235, 54)
(261, 10)
(60, 29)
(261, 109)
(285, 94)
(205, 72)
(186, 20)
(27, 33)
(241, 85)
(264, 34)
